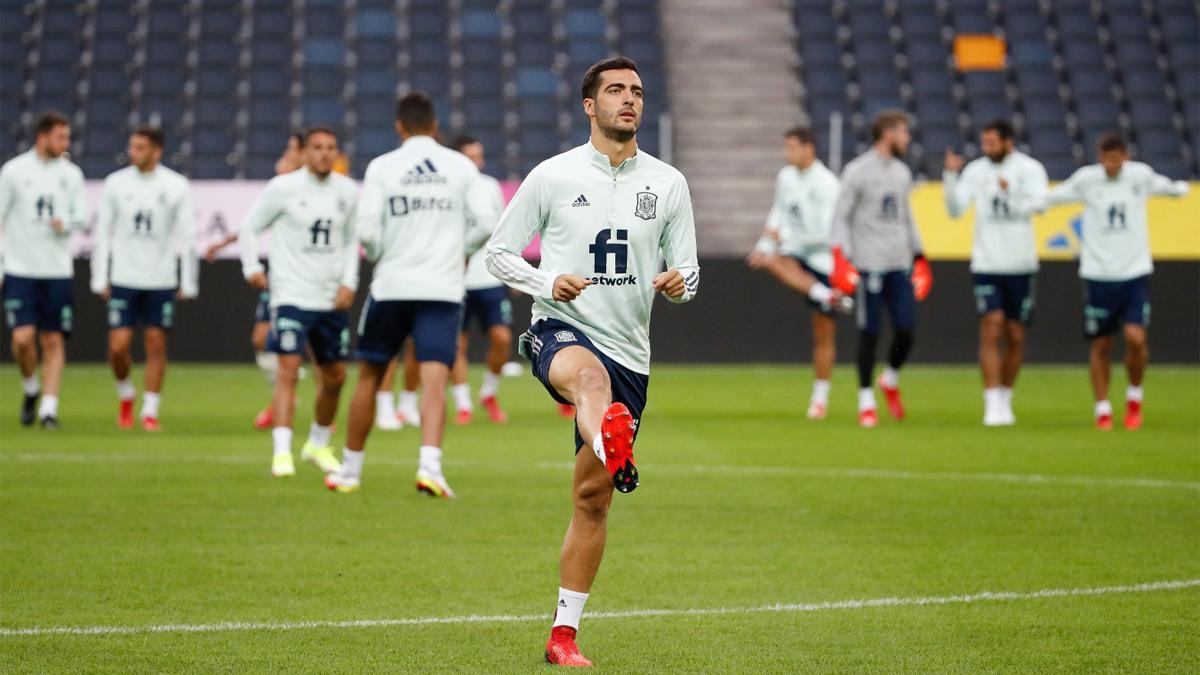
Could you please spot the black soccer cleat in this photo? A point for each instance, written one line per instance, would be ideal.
(50, 423)
(29, 410)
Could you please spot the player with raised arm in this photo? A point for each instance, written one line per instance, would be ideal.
(146, 226)
(423, 211)
(877, 251)
(313, 276)
(609, 216)
(1006, 187)
(41, 202)
(1115, 265)
(798, 228)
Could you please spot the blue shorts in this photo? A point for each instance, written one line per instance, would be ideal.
(1109, 304)
(128, 307)
(488, 307)
(1009, 293)
(545, 338)
(328, 333)
(385, 324)
(891, 290)
(827, 310)
(262, 308)
(44, 303)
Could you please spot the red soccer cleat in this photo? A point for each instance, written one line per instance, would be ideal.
(494, 412)
(617, 430)
(561, 649)
(1133, 415)
(264, 419)
(867, 419)
(150, 424)
(463, 417)
(125, 417)
(1104, 422)
(566, 410)
(895, 407)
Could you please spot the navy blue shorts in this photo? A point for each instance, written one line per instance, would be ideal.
(487, 307)
(890, 290)
(827, 310)
(128, 307)
(545, 338)
(262, 309)
(385, 324)
(44, 303)
(328, 333)
(1108, 304)
(1008, 293)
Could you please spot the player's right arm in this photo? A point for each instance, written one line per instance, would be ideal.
(7, 200)
(956, 189)
(369, 213)
(262, 214)
(1067, 191)
(102, 238)
(844, 276)
(525, 216)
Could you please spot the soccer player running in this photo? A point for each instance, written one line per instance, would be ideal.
(313, 275)
(41, 201)
(1006, 188)
(146, 224)
(487, 304)
(1115, 265)
(876, 242)
(423, 210)
(609, 216)
(798, 227)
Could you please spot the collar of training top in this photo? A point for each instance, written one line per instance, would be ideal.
(419, 139)
(601, 159)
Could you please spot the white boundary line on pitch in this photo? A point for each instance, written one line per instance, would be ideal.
(983, 596)
(824, 472)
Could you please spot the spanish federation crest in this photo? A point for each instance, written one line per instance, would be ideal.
(646, 204)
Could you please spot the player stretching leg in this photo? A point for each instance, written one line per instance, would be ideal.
(146, 222)
(1006, 187)
(798, 227)
(609, 216)
(1116, 265)
(314, 271)
(488, 304)
(423, 211)
(41, 201)
(874, 228)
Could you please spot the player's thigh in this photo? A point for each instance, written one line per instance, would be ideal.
(155, 340)
(500, 334)
(435, 332)
(991, 326)
(868, 312)
(119, 340)
(21, 306)
(901, 303)
(575, 369)
(333, 374)
(289, 367)
(824, 325)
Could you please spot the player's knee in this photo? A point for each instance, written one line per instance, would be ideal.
(591, 378)
(51, 343)
(592, 499)
(23, 338)
(332, 378)
(1135, 338)
(990, 326)
(501, 339)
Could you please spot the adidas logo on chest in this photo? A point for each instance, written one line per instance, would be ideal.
(580, 201)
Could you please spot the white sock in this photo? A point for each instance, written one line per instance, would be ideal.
(462, 396)
(491, 384)
(993, 400)
(820, 293)
(820, 392)
(30, 385)
(268, 363)
(1006, 395)
(1103, 408)
(352, 462)
(1133, 393)
(890, 378)
(570, 608)
(49, 406)
(408, 400)
(598, 448)
(431, 459)
(282, 439)
(319, 435)
(384, 403)
(125, 389)
(866, 399)
(150, 404)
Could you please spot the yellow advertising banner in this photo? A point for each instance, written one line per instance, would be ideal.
(1174, 227)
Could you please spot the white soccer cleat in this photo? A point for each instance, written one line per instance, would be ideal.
(994, 418)
(433, 484)
(409, 415)
(339, 482)
(388, 420)
(282, 466)
(816, 410)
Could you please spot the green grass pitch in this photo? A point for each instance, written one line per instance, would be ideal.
(743, 505)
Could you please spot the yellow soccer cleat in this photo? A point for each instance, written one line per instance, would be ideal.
(434, 485)
(322, 458)
(282, 466)
(341, 483)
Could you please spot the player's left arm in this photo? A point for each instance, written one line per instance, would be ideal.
(368, 219)
(922, 273)
(478, 202)
(1163, 186)
(681, 281)
(185, 231)
(1030, 197)
(7, 199)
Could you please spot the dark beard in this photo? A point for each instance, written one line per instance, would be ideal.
(618, 136)
(897, 151)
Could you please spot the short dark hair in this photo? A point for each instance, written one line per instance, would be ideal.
(415, 111)
(802, 134)
(317, 129)
(886, 119)
(591, 79)
(463, 140)
(299, 136)
(150, 133)
(1003, 128)
(48, 120)
(1112, 141)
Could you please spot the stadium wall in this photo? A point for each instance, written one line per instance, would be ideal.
(739, 316)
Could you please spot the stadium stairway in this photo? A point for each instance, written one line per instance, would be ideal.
(733, 93)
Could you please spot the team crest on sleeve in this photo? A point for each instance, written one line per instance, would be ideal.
(646, 205)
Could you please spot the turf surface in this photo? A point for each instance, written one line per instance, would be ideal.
(743, 504)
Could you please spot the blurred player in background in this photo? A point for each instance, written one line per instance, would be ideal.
(1115, 265)
(41, 202)
(609, 216)
(798, 228)
(314, 273)
(392, 416)
(1006, 187)
(146, 224)
(415, 219)
(487, 304)
(877, 250)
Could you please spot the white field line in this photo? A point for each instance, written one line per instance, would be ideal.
(714, 469)
(983, 596)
